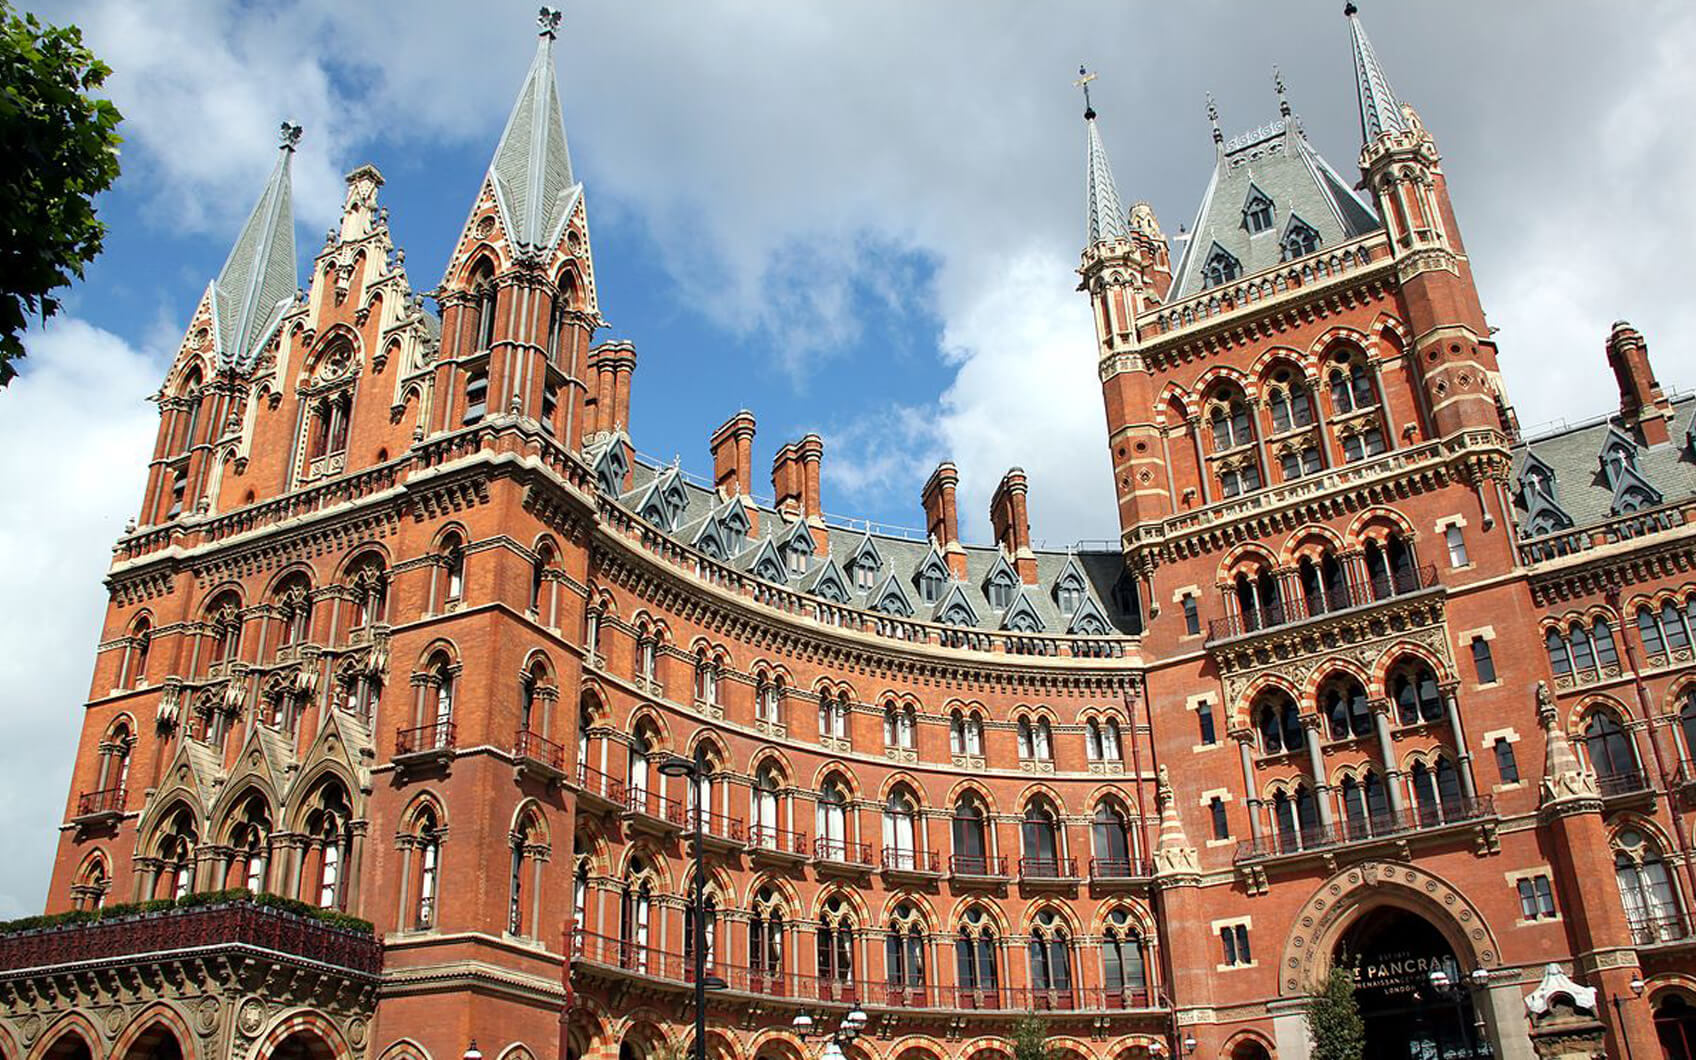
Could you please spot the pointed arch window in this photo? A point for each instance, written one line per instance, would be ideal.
(1299, 240)
(1040, 835)
(1051, 961)
(710, 925)
(1646, 889)
(768, 821)
(177, 857)
(1612, 756)
(1257, 211)
(189, 396)
(330, 837)
(900, 832)
(427, 842)
(1112, 836)
(1289, 400)
(1123, 968)
(975, 964)
(835, 937)
(453, 569)
(904, 956)
(765, 942)
(1351, 383)
(134, 668)
(971, 846)
(483, 303)
(833, 821)
(635, 910)
(1221, 267)
(1413, 688)
(1278, 720)
(1343, 701)
(476, 396)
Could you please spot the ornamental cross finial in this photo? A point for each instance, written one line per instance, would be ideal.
(289, 136)
(1084, 78)
(1213, 116)
(548, 20)
(1283, 99)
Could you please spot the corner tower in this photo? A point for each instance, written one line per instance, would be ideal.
(518, 299)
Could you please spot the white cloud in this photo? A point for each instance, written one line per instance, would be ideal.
(75, 436)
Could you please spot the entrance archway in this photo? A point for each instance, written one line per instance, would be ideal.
(1396, 954)
(1675, 1026)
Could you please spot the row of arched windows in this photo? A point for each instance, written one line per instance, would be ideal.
(1260, 595)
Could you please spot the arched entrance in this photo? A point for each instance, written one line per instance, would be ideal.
(155, 1043)
(303, 1045)
(1411, 990)
(1675, 1026)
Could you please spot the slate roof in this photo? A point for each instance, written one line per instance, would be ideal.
(531, 170)
(1277, 160)
(1106, 219)
(902, 557)
(1585, 489)
(258, 280)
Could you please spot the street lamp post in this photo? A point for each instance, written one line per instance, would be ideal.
(1637, 985)
(688, 769)
(850, 1028)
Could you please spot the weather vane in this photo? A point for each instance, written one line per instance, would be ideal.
(549, 18)
(289, 136)
(1084, 78)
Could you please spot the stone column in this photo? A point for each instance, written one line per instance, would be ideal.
(1468, 785)
(1251, 797)
(1316, 764)
(1387, 753)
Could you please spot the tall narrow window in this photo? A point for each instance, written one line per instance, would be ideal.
(1192, 616)
(1221, 823)
(1204, 720)
(1506, 766)
(1483, 663)
(1456, 542)
(476, 396)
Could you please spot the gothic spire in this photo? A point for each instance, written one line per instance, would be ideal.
(1106, 215)
(258, 279)
(1379, 111)
(531, 170)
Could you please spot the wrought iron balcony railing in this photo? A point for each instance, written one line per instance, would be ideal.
(1301, 608)
(426, 739)
(1378, 826)
(106, 801)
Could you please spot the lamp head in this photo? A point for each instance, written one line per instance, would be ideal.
(802, 1024)
(678, 766)
(1637, 986)
(856, 1017)
(471, 1052)
(1189, 1044)
(1439, 979)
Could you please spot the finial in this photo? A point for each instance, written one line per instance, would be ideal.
(548, 20)
(1349, 10)
(1213, 116)
(289, 135)
(1283, 98)
(1084, 78)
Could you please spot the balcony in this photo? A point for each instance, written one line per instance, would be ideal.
(1385, 826)
(656, 812)
(107, 804)
(600, 790)
(1329, 602)
(779, 844)
(262, 931)
(615, 957)
(1619, 785)
(538, 754)
(720, 830)
(842, 854)
(426, 744)
(902, 861)
(1660, 930)
(1048, 870)
(966, 868)
(1118, 870)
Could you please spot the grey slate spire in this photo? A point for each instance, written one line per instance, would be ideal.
(531, 170)
(1379, 111)
(1106, 215)
(258, 280)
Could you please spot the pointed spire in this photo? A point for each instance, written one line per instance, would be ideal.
(1106, 215)
(1173, 853)
(531, 170)
(1380, 113)
(258, 279)
(1564, 777)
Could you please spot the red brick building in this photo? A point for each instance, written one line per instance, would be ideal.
(405, 631)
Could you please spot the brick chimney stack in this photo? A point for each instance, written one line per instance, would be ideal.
(611, 365)
(1010, 520)
(732, 447)
(1641, 403)
(941, 521)
(795, 481)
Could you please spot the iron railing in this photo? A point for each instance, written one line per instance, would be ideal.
(1048, 868)
(604, 786)
(842, 851)
(1299, 608)
(1119, 869)
(900, 859)
(649, 803)
(779, 840)
(538, 748)
(977, 865)
(425, 739)
(1377, 826)
(106, 800)
(1624, 782)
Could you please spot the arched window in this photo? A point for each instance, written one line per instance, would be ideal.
(710, 930)
(1342, 699)
(833, 715)
(453, 569)
(1297, 817)
(641, 753)
(835, 946)
(647, 653)
(1650, 630)
(1351, 382)
(224, 618)
(1366, 805)
(528, 849)
(833, 820)
(1288, 398)
(1612, 755)
(329, 831)
(483, 308)
(88, 890)
(765, 942)
(706, 678)
(369, 585)
(115, 762)
(1040, 835)
(250, 846)
(1123, 969)
(1413, 688)
(1042, 741)
(971, 847)
(539, 570)
(634, 910)
(133, 672)
(899, 724)
(1278, 720)
(1323, 588)
(1112, 836)
(1230, 421)
(1027, 742)
(904, 957)
(1436, 790)
(1646, 889)
(975, 964)
(1560, 659)
(1389, 567)
(440, 692)
(1051, 961)
(189, 395)
(1687, 727)
(427, 854)
(1258, 600)
(768, 699)
(768, 818)
(900, 832)
(176, 856)
(293, 606)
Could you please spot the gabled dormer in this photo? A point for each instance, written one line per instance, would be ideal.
(663, 502)
(768, 563)
(1070, 589)
(797, 546)
(733, 518)
(932, 578)
(1001, 584)
(1022, 616)
(1543, 513)
(954, 609)
(1299, 239)
(1259, 213)
(864, 563)
(710, 539)
(1220, 267)
(828, 583)
(1618, 455)
(1089, 621)
(890, 598)
(610, 459)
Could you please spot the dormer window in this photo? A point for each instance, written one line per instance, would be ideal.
(1299, 240)
(1221, 267)
(1257, 211)
(999, 591)
(865, 573)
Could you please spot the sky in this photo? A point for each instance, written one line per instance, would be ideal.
(856, 219)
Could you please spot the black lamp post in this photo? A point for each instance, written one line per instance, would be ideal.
(688, 769)
(850, 1028)
(1637, 985)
